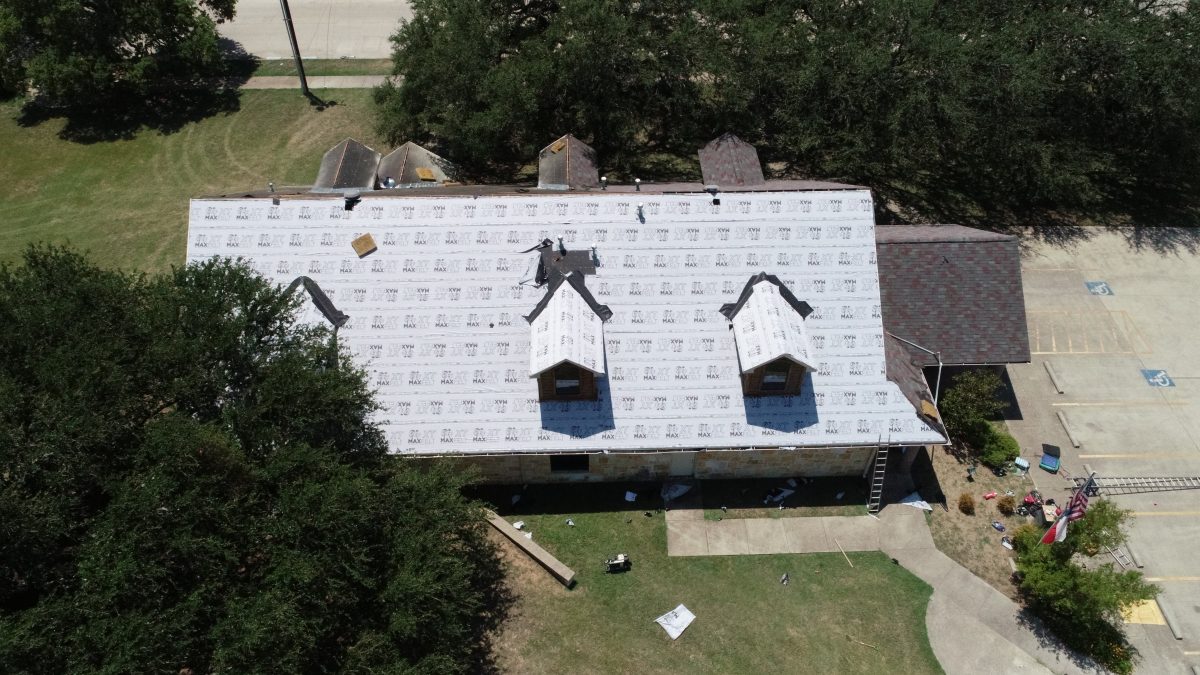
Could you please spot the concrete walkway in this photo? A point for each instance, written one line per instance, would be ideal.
(315, 82)
(972, 627)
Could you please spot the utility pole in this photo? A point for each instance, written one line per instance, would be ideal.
(291, 31)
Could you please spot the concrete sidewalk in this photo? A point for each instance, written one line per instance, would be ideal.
(972, 627)
(315, 82)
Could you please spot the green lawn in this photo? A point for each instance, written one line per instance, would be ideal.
(314, 67)
(747, 622)
(127, 201)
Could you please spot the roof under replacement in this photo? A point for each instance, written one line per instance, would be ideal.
(766, 326)
(436, 313)
(729, 162)
(349, 165)
(567, 164)
(411, 165)
(567, 326)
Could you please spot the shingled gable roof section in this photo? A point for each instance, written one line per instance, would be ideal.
(347, 165)
(730, 162)
(954, 290)
(904, 370)
(567, 164)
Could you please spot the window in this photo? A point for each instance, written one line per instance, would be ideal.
(775, 375)
(569, 463)
(566, 380)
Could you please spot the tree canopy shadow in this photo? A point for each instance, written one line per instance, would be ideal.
(167, 107)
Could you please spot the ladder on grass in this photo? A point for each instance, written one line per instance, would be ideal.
(1131, 486)
(878, 472)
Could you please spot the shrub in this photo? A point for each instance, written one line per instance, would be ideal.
(999, 448)
(970, 401)
(1007, 505)
(966, 503)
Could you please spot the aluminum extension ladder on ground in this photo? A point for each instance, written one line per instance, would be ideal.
(1130, 485)
(879, 470)
(1121, 557)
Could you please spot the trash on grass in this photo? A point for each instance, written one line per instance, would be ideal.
(676, 621)
(570, 522)
(520, 524)
(998, 525)
(1006, 543)
(839, 496)
(529, 535)
(630, 496)
(784, 579)
(990, 495)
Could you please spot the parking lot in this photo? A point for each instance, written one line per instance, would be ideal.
(1118, 329)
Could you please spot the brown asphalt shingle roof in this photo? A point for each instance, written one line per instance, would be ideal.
(953, 289)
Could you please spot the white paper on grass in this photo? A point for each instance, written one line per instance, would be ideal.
(914, 500)
(676, 621)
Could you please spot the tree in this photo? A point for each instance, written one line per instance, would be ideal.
(968, 403)
(994, 114)
(1083, 605)
(74, 53)
(187, 482)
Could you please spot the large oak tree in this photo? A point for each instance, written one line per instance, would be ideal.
(190, 480)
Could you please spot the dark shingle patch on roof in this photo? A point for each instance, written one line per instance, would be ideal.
(576, 282)
(953, 289)
(730, 309)
(347, 165)
(904, 370)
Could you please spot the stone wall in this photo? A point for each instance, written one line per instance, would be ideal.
(709, 464)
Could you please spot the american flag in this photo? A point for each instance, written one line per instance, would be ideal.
(1076, 509)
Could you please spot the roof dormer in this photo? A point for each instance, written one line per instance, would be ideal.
(566, 346)
(772, 340)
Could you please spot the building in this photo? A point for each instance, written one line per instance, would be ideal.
(587, 331)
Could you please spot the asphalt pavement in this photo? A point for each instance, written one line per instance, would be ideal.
(1117, 326)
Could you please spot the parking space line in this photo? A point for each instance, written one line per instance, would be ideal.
(1123, 404)
(1153, 579)
(1134, 455)
(1165, 514)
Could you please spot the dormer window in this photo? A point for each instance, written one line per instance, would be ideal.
(566, 380)
(567, 341)
(771, 338)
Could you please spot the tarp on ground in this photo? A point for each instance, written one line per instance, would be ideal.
(676, 621)
(914, 500)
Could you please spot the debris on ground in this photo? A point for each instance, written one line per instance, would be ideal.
(999, 526)
(784, 579)
(676, 621)
(630, 496)
(777, 495)
(674, 490)
(1006, 543)
(839, 496)
(570, 522)
(520, 524)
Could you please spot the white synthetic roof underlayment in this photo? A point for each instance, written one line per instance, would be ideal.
(436, 313)
(568, 329)
(767, 327)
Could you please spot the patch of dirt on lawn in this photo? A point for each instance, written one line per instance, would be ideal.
(971, 541)
(530, 585)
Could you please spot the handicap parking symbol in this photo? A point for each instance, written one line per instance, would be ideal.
(1099, 288)
(1158, 378)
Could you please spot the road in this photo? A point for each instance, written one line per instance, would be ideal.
(325, 29)
(1098, 345)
